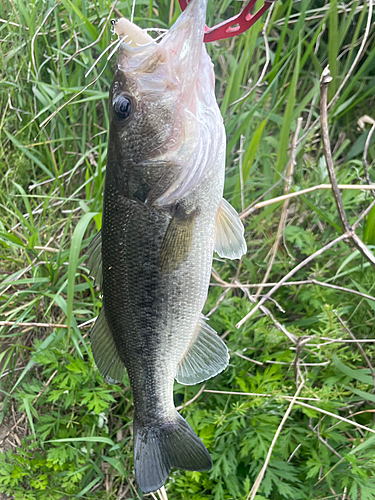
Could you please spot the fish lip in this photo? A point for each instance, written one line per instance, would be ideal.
(126, 52)
(184, 40)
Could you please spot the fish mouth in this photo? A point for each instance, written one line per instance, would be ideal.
(179, 50)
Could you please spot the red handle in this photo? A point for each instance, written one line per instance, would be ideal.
(235, 25)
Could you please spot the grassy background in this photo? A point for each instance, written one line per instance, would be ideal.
(65, 432)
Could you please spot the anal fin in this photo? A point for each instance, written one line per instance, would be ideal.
(206, 356)
(229, 236)
(104, 351)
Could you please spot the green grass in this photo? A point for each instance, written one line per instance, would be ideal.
(75, 429)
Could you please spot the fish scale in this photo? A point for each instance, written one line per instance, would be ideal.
(163, 217)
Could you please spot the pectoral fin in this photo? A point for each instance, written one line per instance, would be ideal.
(94, 261)
(177, 240)
(206, 356)
(104, 351)
(229, 236)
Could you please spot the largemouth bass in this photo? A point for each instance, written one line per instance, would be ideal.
(163, 217)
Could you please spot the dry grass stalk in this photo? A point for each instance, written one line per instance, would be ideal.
(290, 274)
(349, 231)
(99, 37)
(264, 70)
(284, 212)
(310, 281)
(162, 493)
(258, 480)
(338, 417)
(278, 199)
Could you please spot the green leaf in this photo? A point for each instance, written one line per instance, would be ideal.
(359, 374)
(116, 464)
(282, 153)
(364, 395)
(73, 262)
(369, 230)
(89, 439)
(250, 153)
(29, 415)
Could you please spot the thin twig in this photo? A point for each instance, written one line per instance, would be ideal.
(343, 419)
(163, 493)
(42, 325)
(369, 364)
(294, 451)
(268, 313)
(47, 120)
(26, 270)
(363, 215)
(284, 211)
(290, 274)
(47, 249)
(261, 77)
(258, 394)
(301, 342)
(363, 248)
(171, 9)
(324, 82)
(219, 300)
(326, 78)
(192, 399)
(5, 374)
(13, 24)
(339, 341)
(296, 283)
(324, 363)
(258, 480)
(322, 440)
(257, 200)
(278, 199)
(240, 158)
(133, 10)
(134, 489)
(99, 37)
(248, 359)
(36, 34)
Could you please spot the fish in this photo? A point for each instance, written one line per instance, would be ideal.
(163, 216)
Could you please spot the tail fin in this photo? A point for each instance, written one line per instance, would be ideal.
(157, 449)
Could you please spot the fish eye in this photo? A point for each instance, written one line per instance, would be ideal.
(123, 107)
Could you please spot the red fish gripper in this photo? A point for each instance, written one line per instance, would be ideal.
(235, 25)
